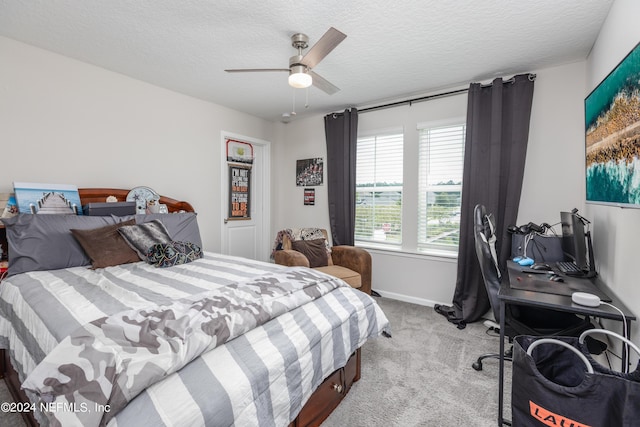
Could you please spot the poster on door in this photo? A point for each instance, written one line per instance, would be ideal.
(239, 192)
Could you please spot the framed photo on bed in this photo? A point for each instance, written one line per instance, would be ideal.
(612, 136)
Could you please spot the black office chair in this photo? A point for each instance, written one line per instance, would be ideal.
(519, 320)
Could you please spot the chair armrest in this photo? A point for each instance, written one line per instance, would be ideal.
(356, 259)
(291, 258)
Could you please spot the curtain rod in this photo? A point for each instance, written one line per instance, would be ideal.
(428, 97)
(411, 101)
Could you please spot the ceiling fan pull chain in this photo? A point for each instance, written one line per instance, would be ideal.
(293, 109)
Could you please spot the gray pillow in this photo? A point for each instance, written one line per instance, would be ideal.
(142, 236)
(182, 227)
(43, 242)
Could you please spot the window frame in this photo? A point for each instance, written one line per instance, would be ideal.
(424, 187)
(379, 133)
(409, 240)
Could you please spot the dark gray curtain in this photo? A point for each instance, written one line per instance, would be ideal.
(341, 132)
(495, 151)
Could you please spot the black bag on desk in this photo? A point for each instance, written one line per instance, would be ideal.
(551, 387)
(539, 247)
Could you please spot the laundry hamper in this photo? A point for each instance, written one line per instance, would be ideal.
(557, 383)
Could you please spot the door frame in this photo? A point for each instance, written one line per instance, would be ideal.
(262, 183)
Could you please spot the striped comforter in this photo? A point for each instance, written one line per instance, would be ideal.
(260, 378)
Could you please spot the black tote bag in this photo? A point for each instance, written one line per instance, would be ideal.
(551, 387)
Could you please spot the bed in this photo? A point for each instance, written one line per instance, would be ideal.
(135, 344)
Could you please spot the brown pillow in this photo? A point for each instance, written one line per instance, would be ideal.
(105, 246)
(314, 250)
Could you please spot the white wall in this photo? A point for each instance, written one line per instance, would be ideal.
(64, 121)
(302, 139)
(616, 230)
(554, 170)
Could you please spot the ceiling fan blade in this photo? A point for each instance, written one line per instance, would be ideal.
(253, 70)
(326, 44)
(323, 84)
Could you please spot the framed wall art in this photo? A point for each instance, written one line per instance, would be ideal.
(309, 172)
(239, 152)
(239, 192)
(309, 196)
(47, 198)
(612, 136)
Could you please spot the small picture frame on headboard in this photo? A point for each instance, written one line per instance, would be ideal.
(36, 198)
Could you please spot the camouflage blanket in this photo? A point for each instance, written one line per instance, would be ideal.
(104, 364)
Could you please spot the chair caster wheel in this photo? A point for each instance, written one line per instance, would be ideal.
(477, 365)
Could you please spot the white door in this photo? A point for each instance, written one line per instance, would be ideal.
(248, 238)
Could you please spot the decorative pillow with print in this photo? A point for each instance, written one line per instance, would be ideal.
(309, 234)
(173, 253)
(142, 236)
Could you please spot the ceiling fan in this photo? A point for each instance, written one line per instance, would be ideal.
(300, 74)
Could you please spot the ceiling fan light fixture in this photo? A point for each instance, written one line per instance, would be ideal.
(300, 66)
(299, 78)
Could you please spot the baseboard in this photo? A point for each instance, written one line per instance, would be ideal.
(410, 299)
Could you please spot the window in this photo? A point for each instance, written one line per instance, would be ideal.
(379, 188)
(441, 158)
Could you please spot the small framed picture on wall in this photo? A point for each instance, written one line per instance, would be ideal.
(309, 172)
(309, 196)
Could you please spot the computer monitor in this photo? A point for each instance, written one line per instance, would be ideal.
(574, 240)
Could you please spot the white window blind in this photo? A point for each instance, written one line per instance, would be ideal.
(440, 186)
(379, 188)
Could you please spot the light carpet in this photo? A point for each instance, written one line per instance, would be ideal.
(422, 376)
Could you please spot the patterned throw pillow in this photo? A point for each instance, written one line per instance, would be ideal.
(142, 236)
(173, 253)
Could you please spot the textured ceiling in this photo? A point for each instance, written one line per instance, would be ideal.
(393, 50)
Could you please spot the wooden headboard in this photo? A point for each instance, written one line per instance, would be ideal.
(99, 195)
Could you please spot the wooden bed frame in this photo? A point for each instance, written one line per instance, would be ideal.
(99, 195)
(319, 406)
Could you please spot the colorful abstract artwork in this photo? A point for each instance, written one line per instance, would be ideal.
(612, 123)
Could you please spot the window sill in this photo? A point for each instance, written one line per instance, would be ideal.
(433, 254)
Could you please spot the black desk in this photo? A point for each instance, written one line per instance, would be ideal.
(509, 295)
